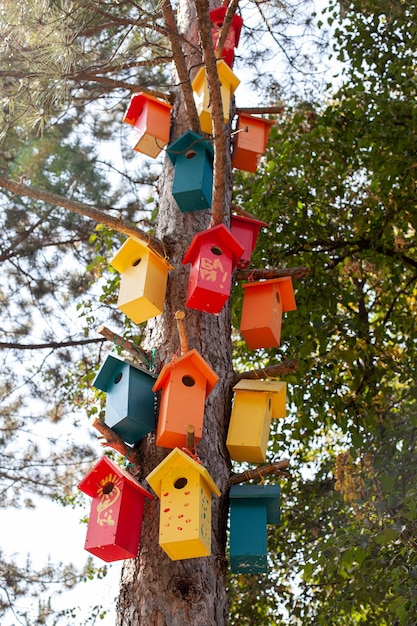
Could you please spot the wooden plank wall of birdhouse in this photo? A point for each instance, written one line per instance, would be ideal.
(263, 305)
(143, 281)
(246, 231)
(228, 84)
(250, 141)
(249, 426)
(151, 119)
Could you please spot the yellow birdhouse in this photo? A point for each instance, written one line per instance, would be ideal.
(143, 282)
(255, 404)
(185, 489)
(228, 84)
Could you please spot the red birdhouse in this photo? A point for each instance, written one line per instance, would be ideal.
(246, 231)
(115, 522)
(264, 302)
(151, 119)
(250, 141)
(185, 382)
(213, 254)
(232, 39)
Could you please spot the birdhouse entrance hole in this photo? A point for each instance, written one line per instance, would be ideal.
(190, 154)
(188, 381)
(136, 263)
(108, 488)
(180, 483)
(278, 297)
(118, 378)
(216, 250)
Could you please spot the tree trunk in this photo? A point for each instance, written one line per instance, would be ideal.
(156, 591)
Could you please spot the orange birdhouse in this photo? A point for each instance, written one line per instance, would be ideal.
(264, 302)
(185, 383)
(151, 120)
(213, 254)
(232, 39)
(115, 522)
(143, 282)
(250, 141)
(245, 230)
(185, 488)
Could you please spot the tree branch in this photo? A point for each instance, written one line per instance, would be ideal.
(259, 472)
(51, 345)
(181, 67)
(112, 440)
(273, 272)
(287, 367)
(82, 209)
(219, 133)
(124, 344)
(259, 110)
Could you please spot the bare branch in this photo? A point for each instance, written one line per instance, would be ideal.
(50, 345)
(124, 344)
(273, 272)
(112, 440)
(259, 472)
(82, 209)
(219, 132)
(287, 367)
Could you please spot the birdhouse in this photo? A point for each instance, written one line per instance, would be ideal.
(252, 507)
(264, 302)
(130, 401)
(213, 254)
(192, 158)
(255, 404)
(232, 39)
(115, 522)
(143, 282)
(250, 141)
(151, 119)
(228, 84)
(185, 383)
(185, 489)
(245, 230)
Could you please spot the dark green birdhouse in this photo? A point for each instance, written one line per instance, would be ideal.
(130, 401)
(252, 507)
(192, 158)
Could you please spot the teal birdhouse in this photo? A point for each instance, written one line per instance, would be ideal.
(130, 401)
(192, 158)
(252, 507)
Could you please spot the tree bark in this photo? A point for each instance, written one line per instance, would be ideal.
(156, 591)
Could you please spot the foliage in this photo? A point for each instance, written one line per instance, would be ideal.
(338, 185)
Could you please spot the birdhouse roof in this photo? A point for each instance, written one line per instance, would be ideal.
(285, 289)
(277, 388)
(218, 15)
(250, 221)
(137, 104)
(193, 359)
(225, 74)
(218, 235)
(129, 252)
(177, 459)
(266, 495)
(109, 367)
(104, 471)
(189, 141)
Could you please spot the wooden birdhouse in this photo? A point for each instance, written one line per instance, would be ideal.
(250, 141)
(255, 404)
(264, 302)
(192, 158)
(245, 230)
(252, 507)
(143, 281)
(185, 383)
(232, 39)
(130, 401)
(213, 254)
(115, 522)
(228, 84)
(151, 120)
(185, 489)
